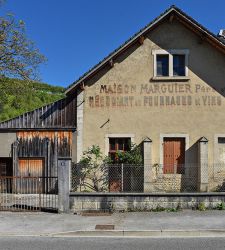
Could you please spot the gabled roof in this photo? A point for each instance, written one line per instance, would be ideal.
(173, 10)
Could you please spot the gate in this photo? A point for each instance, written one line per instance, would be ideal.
(28, 193)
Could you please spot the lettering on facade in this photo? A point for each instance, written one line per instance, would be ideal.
(154, 95)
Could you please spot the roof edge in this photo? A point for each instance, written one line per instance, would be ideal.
(178, 11)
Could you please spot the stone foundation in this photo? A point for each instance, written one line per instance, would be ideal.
(142, 202)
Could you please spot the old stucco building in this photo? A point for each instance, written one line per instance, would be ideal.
(164, 88)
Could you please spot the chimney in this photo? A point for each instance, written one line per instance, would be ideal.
(221, 33)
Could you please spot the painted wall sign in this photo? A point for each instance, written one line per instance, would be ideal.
(153, 95)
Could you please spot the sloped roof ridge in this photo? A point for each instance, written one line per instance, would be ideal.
(167, 11)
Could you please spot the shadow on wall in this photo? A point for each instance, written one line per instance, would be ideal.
(189, 177)
(205, 61)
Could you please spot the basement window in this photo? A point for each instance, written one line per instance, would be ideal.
(170, 64)
(221, 140)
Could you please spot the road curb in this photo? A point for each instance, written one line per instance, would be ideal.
(126, 233)
(143, 233)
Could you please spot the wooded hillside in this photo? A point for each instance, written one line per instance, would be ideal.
(19, 96)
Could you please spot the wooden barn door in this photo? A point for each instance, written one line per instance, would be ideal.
(31, 168)
(174, 155)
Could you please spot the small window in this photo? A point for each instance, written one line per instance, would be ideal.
(179, 65)
(162, 65)
(221, 140)
(171, 63)
(118, 144)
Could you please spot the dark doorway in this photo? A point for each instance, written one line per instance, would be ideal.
(6, 168)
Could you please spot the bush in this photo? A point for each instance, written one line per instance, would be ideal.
(220, 206)
(201, 206)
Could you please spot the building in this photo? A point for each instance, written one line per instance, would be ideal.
(163, 88)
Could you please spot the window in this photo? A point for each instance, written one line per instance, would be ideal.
(179, 65)
(118, 144)
(171, 63)
(162, 65)
(221, 152)
(221, 140)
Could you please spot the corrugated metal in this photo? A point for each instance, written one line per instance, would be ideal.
(60, 114)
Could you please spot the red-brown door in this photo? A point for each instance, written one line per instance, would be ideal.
(174, 155)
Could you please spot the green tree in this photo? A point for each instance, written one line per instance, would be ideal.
(19, 96)
(93, 169)
(18, 55)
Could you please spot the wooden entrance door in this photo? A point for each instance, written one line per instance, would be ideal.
(174, 155)
(33, 168)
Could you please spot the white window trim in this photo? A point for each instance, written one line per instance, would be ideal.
(107, 136)
(216, 147)
(170, 52)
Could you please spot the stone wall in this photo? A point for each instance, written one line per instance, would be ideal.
(142, 202)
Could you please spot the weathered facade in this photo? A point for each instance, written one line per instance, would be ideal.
(32, 143)
(164, 88)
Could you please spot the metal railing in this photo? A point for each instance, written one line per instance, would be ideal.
(28, 193)
(139, 178)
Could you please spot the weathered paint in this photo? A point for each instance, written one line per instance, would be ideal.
(126, 99)
(33, 140)
(31, 167)
(56, 115)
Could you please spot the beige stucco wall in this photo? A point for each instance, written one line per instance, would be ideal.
(6, 144)
(196, 109)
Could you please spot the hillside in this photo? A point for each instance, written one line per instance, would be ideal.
(19, 96)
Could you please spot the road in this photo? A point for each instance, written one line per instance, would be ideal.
(47, 243)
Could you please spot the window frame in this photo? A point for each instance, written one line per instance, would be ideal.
(117, 145)
(216, 152)
(107, 136)
(170, 53)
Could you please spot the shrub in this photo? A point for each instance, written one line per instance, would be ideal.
(220, 206)
(201, 206)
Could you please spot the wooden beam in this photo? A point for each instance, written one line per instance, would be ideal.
(111, 63)
(82, 87)
(202, 38)
(141, 40)
(171, 18)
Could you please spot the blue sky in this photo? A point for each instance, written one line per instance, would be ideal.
(74, 35)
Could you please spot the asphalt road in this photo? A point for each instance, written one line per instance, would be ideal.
(47, 243)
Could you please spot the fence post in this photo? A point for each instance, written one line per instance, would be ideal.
(203, 165)
(64, 185)
(147, 146)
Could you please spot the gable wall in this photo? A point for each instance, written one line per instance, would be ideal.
(201, 111)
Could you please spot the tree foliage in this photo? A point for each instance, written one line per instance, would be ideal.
(132, 156)
(93, 170)
(19, 96)
(18, 55)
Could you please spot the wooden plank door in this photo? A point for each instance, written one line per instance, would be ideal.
(174, 154)
(30, 169)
